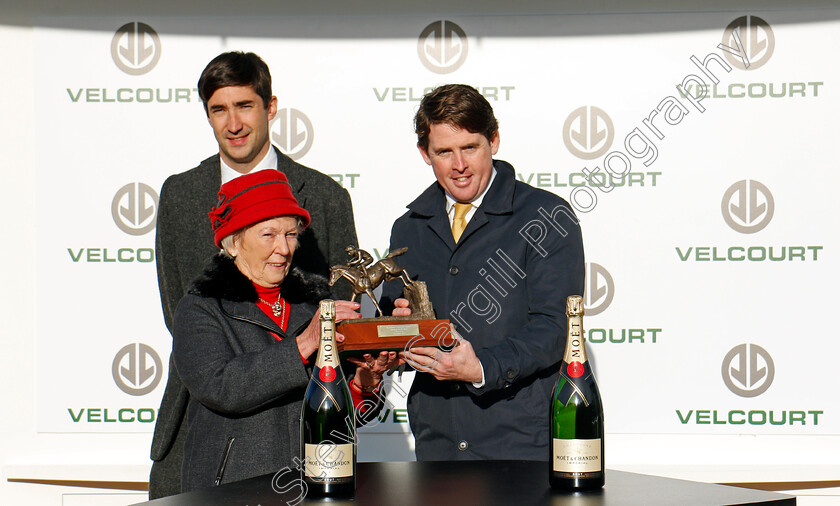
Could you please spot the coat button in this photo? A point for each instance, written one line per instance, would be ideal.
(453, 270)
(456, 387)
(510, 373)
(463, 445)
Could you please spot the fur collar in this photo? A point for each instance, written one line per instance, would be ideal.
(221, 279)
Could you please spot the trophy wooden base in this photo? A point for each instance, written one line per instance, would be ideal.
(392, 333)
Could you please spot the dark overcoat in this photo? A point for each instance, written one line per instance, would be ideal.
(184, 244)
(504, 286)
(246, 387)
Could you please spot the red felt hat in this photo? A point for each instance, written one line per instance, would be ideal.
(253, 198)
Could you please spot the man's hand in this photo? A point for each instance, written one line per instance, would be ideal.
(458, 364)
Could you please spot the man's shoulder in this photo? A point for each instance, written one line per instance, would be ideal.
(509, 190)
(311, 177)
(409, 225)
(404, 219)
(199, 176)
(531, 196)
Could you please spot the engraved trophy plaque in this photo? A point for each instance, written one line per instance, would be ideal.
(397, 333)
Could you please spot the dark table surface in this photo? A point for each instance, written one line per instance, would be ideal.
(504, 482)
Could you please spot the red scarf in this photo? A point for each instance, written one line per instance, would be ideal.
(267, 298)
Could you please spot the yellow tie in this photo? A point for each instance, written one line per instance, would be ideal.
(459, 223)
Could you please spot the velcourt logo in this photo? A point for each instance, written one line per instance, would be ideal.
(112, 415)
(112, 255)
(748, 44)
(747, 206)
(595, 180)
(135, 48)
(748, 370)
(759, 90)
(292, 132)
(756, 38)
(137, 369)
(588, 132)
(133, 95)
(346, 180)
(134, 208)
(749, 417)
(415, 93)
(442, 47)
(598, 295)
(600, 289)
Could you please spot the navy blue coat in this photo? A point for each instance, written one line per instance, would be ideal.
(504, 286)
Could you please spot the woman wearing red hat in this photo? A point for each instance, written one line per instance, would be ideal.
(243, 336)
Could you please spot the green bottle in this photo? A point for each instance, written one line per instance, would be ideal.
(328, 425)
(576, 460)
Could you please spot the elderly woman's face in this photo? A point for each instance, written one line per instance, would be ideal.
(263, 252)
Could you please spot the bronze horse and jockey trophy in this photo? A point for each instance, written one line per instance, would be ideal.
(387, 332)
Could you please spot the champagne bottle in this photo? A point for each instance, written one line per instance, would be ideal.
(328, 426)
(577, 415)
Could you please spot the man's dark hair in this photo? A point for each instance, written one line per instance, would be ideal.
(458, 105)
(235, 69)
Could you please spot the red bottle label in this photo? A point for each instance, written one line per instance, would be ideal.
(575, 370)
(327, 374)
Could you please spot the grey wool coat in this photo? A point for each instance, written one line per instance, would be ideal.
(246, 387)
(184, 244)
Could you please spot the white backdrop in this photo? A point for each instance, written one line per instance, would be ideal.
(710, 266)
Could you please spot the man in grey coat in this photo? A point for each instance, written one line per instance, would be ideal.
(235, 89)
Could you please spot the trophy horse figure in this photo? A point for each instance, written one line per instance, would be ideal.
(365, 277)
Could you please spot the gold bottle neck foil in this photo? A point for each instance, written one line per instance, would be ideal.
(575, 338)
(327, 351)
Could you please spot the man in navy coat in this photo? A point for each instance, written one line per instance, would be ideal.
(499, 258)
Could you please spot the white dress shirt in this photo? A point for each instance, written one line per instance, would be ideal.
(450, 211)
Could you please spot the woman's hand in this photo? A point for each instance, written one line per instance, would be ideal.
(401, 308)
(369, 370)
(307, 341)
